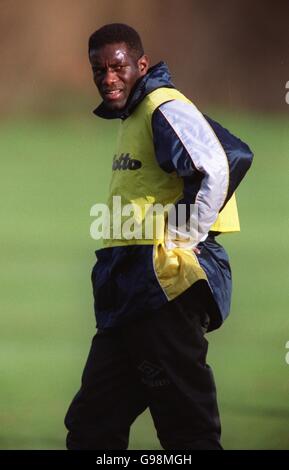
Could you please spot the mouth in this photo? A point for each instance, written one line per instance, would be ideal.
(112, 95)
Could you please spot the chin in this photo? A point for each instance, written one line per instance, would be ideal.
(117, 106)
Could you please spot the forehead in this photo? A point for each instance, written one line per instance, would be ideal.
(110, 53)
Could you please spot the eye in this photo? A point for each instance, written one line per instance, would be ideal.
(98, 71)
(117, 68)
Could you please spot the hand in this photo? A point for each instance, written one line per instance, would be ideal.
(197, 251)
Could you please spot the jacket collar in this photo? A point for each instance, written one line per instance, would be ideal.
(157, 76)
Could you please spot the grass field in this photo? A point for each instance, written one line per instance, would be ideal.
(52, 172)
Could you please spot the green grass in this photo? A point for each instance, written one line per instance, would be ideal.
(52, 172)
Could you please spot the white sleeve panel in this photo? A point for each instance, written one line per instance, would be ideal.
(208, 157)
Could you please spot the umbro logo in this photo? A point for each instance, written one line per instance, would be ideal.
(153, 375)
(149, 369)
(125, 162)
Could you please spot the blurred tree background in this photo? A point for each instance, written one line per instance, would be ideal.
(230, 53)
(231, 59)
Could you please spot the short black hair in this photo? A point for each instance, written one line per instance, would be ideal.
(115, 33)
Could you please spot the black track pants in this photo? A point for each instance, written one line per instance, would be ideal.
(157, 362)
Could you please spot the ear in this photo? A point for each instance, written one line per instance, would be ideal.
(143, 64)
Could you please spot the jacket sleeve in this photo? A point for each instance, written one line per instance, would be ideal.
(189, 143)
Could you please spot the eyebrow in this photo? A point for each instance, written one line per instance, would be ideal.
(115, 63)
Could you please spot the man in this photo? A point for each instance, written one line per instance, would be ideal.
(155, 297)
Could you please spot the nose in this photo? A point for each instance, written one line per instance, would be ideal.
(109, 78)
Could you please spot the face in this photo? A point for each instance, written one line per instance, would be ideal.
(115, 71)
